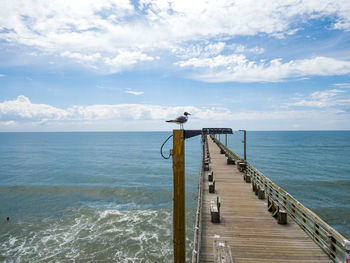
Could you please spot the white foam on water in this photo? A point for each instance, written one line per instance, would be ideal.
(94, 235)
(12, 241)
(106, 213)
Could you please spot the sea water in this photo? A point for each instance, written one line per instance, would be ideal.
(107, 197)
(90, 197)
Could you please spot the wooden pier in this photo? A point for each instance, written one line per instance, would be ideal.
(246, 230)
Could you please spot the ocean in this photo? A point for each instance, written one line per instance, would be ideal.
(107, 196)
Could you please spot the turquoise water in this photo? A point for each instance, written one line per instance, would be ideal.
(102, 197)
(90, 197)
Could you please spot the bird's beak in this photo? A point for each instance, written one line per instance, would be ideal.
(188, 113)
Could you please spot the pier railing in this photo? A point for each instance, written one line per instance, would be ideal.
(332, 242)
(198, 222)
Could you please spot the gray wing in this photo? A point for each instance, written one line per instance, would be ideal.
(181, 119)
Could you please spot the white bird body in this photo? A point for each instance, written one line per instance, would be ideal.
(180, 120)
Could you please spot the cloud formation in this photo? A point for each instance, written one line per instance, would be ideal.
(22, 113)
(343, 85)
(22, 109)
(338, 98)
(133, 92)
(112, 36)
(239, 68)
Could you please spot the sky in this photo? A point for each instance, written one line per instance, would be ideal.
(124, 65)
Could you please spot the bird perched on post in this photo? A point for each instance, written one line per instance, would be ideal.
(181, 119)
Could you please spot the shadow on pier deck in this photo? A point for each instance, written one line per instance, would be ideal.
(252, 234)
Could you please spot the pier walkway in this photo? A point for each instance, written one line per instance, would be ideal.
(252, 234)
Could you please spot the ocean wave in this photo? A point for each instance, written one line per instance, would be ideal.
(92, 235)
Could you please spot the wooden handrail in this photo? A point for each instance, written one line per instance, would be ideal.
(198, 222)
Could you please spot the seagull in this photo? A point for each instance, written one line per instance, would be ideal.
(181, 120)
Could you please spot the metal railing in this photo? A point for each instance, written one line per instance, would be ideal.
(332, 242)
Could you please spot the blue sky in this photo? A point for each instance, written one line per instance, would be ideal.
(130, 65)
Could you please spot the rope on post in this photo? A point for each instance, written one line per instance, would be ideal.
(161, 148)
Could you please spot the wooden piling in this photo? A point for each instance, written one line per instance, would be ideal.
(179, 196)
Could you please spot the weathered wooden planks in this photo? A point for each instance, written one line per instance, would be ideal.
(252, 234)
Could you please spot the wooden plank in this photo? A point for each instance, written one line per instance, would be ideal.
(222, 252)
(246, 225)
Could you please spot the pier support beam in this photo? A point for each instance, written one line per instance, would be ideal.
(179, 196)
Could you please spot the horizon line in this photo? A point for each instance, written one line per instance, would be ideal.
(306, 130)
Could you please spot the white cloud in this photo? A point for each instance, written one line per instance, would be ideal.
(200, 49)
(336, 98)
(22, 108)
(242, 17)
(22, 114)
(244, 49)
(2, 75)
(126, 59)
(214, 62)
(117, 34)
(210, 49)
(343, 85)
(7, 123)
(123, 60)
(214, 48)
(81, 57)
(136, 93)
(239, 68)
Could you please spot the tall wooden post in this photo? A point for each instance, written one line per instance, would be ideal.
(179, 196)
(245, 145)
(226, 140)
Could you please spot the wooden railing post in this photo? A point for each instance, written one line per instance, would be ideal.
(179, 196)
(347, 250)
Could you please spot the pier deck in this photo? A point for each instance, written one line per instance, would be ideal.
(252, 233)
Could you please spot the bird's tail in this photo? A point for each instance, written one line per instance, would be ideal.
(170, 121)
